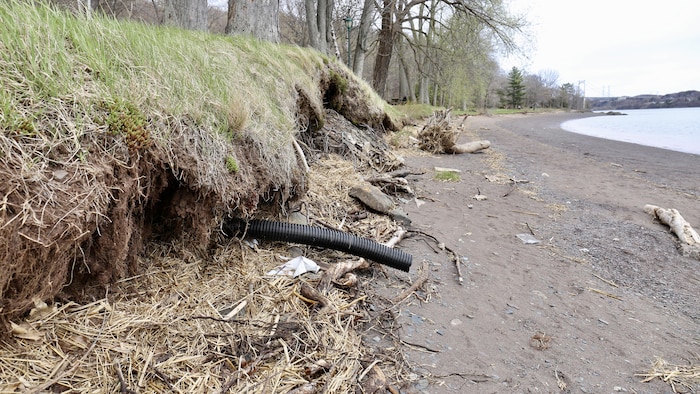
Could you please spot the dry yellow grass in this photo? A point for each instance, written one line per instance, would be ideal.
(683, 377)
(199, 325)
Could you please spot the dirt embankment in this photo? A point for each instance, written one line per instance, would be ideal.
(89, 179)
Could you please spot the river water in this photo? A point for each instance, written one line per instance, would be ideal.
(675, 129)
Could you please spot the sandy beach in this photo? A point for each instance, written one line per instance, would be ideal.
(602, 296)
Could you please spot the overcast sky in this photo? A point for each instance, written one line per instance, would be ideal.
(626, 47)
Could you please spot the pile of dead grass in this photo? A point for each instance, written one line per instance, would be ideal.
(680, 377)
(196, 325)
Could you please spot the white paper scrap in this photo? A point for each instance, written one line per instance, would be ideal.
(528, 239)
(295, 267)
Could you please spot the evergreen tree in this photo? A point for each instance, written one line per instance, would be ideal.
(515, 91)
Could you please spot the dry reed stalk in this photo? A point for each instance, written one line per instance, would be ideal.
(678, 376)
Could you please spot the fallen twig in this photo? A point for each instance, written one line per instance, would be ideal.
(420, 279)
(338, 270)
(611, 283)
(455, 257)
(601, 292)
(398, 236)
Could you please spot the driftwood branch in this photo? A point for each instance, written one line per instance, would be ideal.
(672, 218)
(339, 270)
(441, 245)
(470, 147)
(690, 240)
(394, 183)
(417, 284)
(396, 238)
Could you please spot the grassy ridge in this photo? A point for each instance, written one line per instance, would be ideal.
(221, 82)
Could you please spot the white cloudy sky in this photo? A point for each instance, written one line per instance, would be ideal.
(628, 47)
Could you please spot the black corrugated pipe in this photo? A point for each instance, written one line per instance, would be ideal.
(322, 237)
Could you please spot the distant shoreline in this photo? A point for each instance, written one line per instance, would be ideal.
(554, 120)
(662, 166)
(686, 99)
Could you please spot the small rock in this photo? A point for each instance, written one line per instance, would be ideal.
(416, 319)
(60, 174)
(400, 216)
(295, 251)
(455, 322)
(297, 218)
(422, 384)
(373, 197)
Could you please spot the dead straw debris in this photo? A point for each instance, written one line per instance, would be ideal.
(193, 324)
(685, 377)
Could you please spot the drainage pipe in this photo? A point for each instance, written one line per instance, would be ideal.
(321, 237)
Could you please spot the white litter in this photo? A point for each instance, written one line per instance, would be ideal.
(528, 239)
(295, 267)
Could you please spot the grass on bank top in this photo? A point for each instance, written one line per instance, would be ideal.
(223, 83)
(48, 55)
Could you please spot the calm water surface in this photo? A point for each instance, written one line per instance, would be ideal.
(669, 128)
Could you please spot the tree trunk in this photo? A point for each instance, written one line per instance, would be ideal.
(405, 87)
(319, 16)
(328, 23)
(311, 24)
(386, 46)
(362, 32)
(187, 14)
(423, 90)
(259, 18)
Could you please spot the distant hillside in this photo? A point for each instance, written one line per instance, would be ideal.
(690, 98)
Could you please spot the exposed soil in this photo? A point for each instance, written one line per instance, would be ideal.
(603, 295)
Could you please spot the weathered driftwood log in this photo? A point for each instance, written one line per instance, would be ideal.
(470, 147)
(672, 218)
(684, 231)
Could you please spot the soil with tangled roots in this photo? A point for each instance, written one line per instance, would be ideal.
(601, 297)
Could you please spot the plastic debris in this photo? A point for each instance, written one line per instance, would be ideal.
(295, 267)
(528, 239)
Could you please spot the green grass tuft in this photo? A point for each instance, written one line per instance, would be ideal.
(231, 164)
(447, 176)
(126, 120)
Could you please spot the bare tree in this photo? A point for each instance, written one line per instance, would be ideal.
(492, 14)
(259, 18)
(293, 26)
(387, 36)
(187, 14)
